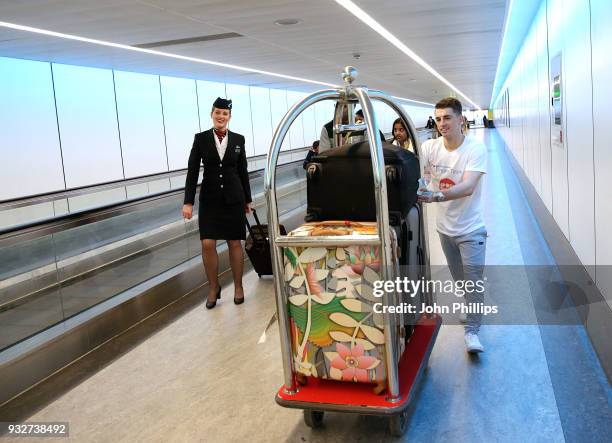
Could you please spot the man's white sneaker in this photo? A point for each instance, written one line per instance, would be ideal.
(472, 343)
(462, 317)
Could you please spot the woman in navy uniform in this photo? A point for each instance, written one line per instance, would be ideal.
(225, 196)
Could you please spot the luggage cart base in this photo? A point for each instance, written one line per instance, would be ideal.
(320, 395)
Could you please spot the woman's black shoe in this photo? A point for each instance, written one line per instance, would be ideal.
(212, 304)
(239, 301)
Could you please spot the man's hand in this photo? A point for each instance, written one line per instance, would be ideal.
(426, 198)
(248, 207)
(187, 211)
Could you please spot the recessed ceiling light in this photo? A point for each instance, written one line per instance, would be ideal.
(382, 31)
(288, 21)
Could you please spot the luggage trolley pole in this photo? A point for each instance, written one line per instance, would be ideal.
(331, 395)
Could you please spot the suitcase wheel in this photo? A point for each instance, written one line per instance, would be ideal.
(313, 419)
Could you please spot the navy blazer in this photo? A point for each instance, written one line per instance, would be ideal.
(225, 180)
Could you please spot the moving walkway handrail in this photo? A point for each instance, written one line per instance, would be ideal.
(40, 228)
(114, 184)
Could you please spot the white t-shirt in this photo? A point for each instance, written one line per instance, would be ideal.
(464, 215)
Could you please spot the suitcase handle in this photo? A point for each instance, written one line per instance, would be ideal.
(248, 225)
(256, 218)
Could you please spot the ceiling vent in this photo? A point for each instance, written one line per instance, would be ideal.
(185, 41)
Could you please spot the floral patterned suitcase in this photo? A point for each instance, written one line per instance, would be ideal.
(335, 332)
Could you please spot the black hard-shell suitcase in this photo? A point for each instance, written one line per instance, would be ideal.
(257, 246)
(340, 185)
(412, 260)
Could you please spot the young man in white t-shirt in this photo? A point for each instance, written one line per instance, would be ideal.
(455, 164)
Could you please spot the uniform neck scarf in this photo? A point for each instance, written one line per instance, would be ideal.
(220, 134)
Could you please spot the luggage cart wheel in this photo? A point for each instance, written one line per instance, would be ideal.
(313, 419)
(398, 424)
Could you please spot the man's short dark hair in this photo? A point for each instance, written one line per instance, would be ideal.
(450, 102)
(315, 144)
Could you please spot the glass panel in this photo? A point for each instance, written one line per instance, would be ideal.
(29, 297)
(102, 259)
(49, 279)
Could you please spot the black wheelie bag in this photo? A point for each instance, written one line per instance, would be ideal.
(340, 185)
(257, 246)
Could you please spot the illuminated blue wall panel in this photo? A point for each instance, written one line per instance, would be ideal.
(278, 107)
(180, 105)
(87, 116)
(296, 131)
(29, 143)
(556, 25)
(601, 17)
(324, 112)
(579, 128)
(262, 119)
(310, 126)
(141, 123)
(207, 94)
(544, 109)
(241, 114)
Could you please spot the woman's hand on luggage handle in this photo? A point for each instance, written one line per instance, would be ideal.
(187, 211)
(248, 207)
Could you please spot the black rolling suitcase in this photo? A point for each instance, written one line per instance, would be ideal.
(257, 246)
(340, 185)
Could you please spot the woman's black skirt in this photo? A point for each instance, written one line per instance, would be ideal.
(219, 221)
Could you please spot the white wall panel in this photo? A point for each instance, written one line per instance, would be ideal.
(296, 132)
(559, 153)
(324, 112)
(310, 126)
(141, 124)
(208, 92)
(87, 116)
(278, 107)
(29, 143)
(262, 119)
(601, 17)
(241, 114)
(181, 123)
(517, 134)
(544, 109)
(418, 114)
(530, 76)
(579, 129)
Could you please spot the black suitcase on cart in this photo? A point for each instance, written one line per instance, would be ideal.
(340, 184)
(257, 246)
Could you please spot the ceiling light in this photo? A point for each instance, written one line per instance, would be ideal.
(414, 101)
(382, 31)
(160, 53)
(288, 21)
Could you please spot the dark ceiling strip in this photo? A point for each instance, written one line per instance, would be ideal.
(184, 41)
